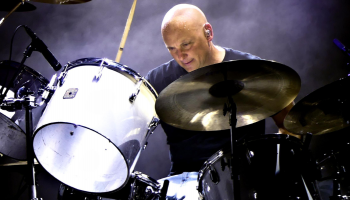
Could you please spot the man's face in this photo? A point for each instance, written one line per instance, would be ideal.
(188, 47)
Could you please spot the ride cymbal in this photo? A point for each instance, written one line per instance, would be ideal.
(259, 88)
(323, 111)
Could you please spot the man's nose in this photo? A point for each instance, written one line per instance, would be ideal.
(181, 55)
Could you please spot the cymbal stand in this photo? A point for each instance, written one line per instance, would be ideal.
(234, 161)
(13, 10)
(309, 174)
(28, 102)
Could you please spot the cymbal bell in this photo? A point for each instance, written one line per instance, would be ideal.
(196, 100)
(8, 5)
(325, 110)
(61, 1)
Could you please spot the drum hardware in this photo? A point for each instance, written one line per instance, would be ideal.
(48, 90)
(27, 101)
(231, 107)
(139, 187)
(151, 127)
(63, 74)
(99, 74)
(133, 96)
(12, 122)
(138, 191)
(164, 190)
(333, 167)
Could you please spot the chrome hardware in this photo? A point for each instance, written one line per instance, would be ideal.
(51, 87)
(63, 74)
(133, 96)
(151, 127)
(99, 74)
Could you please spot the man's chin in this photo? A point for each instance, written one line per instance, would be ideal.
(189, 68)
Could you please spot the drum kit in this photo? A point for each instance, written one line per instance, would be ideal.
(88, 126)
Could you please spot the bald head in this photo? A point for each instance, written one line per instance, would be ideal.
(188, 37)
(183, 17)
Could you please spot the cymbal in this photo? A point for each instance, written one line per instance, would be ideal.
(196, 100)
(61, 1)
(8, 5)
(323, 111)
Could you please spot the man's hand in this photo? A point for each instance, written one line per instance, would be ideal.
(279, 118)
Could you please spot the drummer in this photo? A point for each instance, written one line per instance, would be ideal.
(189, 39)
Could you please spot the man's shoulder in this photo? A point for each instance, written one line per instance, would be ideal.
(164, 74)
(162, 68)
(232, 54)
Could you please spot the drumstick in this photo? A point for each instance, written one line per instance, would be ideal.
(126, 31)
(13, 10)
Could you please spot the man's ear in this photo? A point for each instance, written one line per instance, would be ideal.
(208, 31)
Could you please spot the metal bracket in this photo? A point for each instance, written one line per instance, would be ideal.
(99, 73)
(63, 75)
(133, 96)
(151, 127)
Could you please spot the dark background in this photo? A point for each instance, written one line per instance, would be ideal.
(297, 33)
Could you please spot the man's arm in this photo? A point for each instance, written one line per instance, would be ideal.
(279, 118)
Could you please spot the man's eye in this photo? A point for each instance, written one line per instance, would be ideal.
(186, 45)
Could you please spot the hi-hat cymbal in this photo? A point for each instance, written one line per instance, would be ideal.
(323, 111)
(259, 88)
(8, 5)
(61, 1)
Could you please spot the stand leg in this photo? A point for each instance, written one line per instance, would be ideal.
(30, 154)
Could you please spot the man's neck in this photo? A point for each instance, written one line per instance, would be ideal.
(217, 54)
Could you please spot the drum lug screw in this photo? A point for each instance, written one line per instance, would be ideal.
(255, 195)
(144, 146)
(71, 133)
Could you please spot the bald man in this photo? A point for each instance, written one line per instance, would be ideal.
(188, 37)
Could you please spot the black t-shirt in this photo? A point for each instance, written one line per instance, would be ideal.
(190, 149)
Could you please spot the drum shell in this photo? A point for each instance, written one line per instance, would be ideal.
(92, 141)
(260, 176)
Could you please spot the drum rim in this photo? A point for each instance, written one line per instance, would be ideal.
(33, 72)
(127, 164)
(112, 65)
(272, 137)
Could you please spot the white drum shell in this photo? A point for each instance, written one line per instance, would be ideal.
(91, 142)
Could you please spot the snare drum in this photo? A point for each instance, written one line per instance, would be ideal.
(95, 125)
(269, 167)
